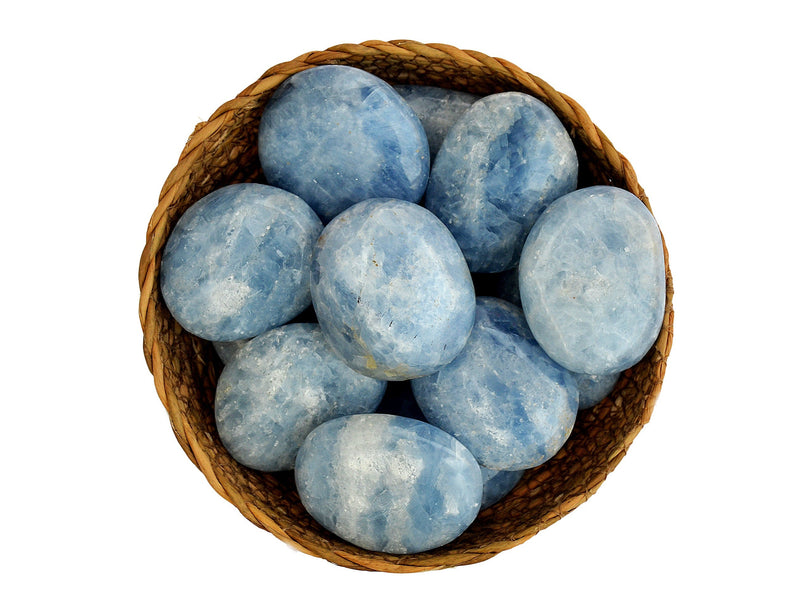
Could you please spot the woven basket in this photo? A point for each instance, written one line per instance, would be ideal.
(185, 368)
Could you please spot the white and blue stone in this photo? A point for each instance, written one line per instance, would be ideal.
(437, 108)
(592, 280)
(391, 290)
(227, 350)
(238, 262)
(278, 388)
(592, 389)
(500, 165)
(497, 484)
(502, 397)
(388, 483)
(335, 135)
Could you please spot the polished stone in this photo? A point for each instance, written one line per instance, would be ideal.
(500, 165)
(278, 388)
(388, 483)
(238, 262)
(592, 280)
(391, 290)
(502, 397)
(592, 389)
(437, 109)
(335, 135)
(226, 350)
(497, 484)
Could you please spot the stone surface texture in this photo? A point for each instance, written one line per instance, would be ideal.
(336, 135)
(278, 388)
(437, 109)
(500, 165)
(238, 262)
(592, 280)
(391, 290)
(502, 397)
(226, 350)
(388, 483)
(497, 484)
(592, 389)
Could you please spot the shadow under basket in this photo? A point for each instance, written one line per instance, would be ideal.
(185, 368)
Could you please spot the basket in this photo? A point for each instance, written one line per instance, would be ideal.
(185, 368)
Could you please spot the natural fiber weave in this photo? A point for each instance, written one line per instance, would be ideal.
(185, 368)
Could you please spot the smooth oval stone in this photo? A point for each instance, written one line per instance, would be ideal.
(278, 388)
(238, 262)
(500, 165)
(336, 135)
(437, 109)
(592, 280)
(497, 484)
(592, 389)
(502, 397)
(388, 483)
(391, 290)
(227, 350)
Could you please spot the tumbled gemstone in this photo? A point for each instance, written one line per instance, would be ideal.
(238, 262)
(502, 396)
(388, 483)
(278, 388)
(437, 108)
(497, 484)
(500, 165)
(592, 280)
(592, 389)
(335, 135)
(391, 290)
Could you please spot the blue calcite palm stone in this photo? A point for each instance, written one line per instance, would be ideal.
(336, 135)
(226, 350)
(238, 262)
(500, 165)
(592, 280)
(391, 290)
(502, 397)
(281, 386)
(388, 483)
(497, 484)
(592, 389)
(437, 109)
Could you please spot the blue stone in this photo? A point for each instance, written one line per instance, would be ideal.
(592, 280)
(592, 389)
(391, 290)
(437, 109)
(497, 484)
(336, 135)
(502, 397)
(238, 262)
(278, 388)
(388, 483)
(500, 165)
(227, 350)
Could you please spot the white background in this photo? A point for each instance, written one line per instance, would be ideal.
(99, 99)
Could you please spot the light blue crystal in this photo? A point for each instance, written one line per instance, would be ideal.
(238, 262)
(391, 290)
(592, 280)
(502, 397)
(437, 109)
(336, 135)
(500, 165)
(592, 389)
(278, 388)
(388, 483)
(497, 484)
(226, 350)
